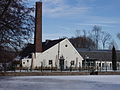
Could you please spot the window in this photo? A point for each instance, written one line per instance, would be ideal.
(103, 64)
(72, 62)
(110, 64)
(66, 45)
(50, 62)
(99, 64)
(23, 62)
(117, 64)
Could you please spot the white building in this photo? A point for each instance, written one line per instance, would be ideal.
(54, 50)
(61, 55)
(99, 59)
(26, 63)
(57, 53)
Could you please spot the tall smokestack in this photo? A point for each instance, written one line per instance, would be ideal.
(38, 27)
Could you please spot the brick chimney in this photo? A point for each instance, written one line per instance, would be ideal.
(38, 28)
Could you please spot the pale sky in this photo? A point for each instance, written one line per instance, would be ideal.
(63, 17)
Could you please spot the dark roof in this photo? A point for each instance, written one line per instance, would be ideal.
(26, 52)
(49, 43)
(99, 54)
(45, 45)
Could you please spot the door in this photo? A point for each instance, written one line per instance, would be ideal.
(61, 63)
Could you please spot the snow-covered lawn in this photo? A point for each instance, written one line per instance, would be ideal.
(99, 82)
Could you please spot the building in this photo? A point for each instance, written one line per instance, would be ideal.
(99, 59)
(58, 53)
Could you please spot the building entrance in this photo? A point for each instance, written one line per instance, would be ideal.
(61, 63)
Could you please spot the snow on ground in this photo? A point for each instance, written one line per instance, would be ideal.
(99, 82)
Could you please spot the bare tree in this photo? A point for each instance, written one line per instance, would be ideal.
(16, 24)
(113, 43)
(95, 35)
(84, 38)
(105, 39)
(82, 42)
(78, 33)
(118, 35)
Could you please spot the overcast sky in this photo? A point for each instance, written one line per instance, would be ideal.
(63, 17)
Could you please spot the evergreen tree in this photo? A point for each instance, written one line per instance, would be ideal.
(114, 59)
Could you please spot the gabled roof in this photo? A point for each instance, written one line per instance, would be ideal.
(49, 43)
(45, 45)
(104, 55)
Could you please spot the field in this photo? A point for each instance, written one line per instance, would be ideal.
(98, 82)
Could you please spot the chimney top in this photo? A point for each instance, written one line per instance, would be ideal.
(40, 1)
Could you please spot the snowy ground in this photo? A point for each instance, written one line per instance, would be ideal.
(98, 82)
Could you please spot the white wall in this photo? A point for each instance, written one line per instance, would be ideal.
(107, 65)
(69, 53)
(26, 62)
